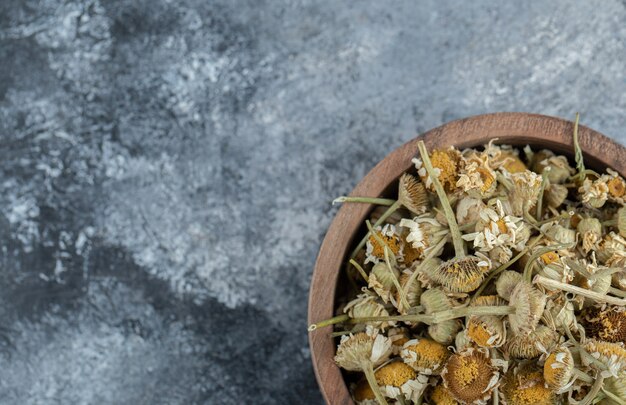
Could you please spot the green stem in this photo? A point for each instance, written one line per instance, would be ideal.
(368, 370)
(595, 388)
(327, 322)
(393, 208)
(365, 200)
(442, 316)
(581, 375)
(578, 153)
(617, 291)
(527, 269)
(360, 269)
(598, 297)
(613, 397)
(396, 282)
(457, 240)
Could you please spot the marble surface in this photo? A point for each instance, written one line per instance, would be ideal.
(167, 169)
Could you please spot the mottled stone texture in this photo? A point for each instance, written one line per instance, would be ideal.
(166, 169)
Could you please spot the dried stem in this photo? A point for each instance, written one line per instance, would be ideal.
(595, 388)
(331, 321)
(364, 200)
(528, 268)
(368, 370)
(459, 246)
(360, 269)
(553, 284)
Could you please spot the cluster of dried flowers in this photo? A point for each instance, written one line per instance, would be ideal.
(497, 276)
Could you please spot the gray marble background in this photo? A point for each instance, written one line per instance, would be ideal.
(167, 167)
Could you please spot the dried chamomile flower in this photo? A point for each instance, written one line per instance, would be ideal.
(507, 281)
(477, 178)
(486, 331)
(610, 244)
(442, 396)
(461, 341)
(413, 292)
(559, 171)
(617, 386)
(612, 355)
(504, 157)
(559, 313)
(398, 336)
(594, 193)
(616, 186)
(558, 368)
(375, 251)
(525, 386)
(621, 221)
(530, 345)
(607, 324)
(435, 300)
(425, 355)
(470, 376)
(382, 280)
(446, 164)
(425, 233)
(362, 352)
(398, 379)
(559, 233)
(590, 230)
(464, 275)
(524, 188)
(619, 278)
(554, 195)
(412, 194)
(367, 305)
(496, 229)
(468, 210)
(529, 304)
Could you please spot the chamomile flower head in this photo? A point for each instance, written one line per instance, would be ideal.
(461, 275)
(413, 292)
(425, 355)
(531, 344)
(611, 244)
(505, 158)
(470, 376)
(381, 280)
(446, 164)
(507, 282)
(612, 355)
(442, 396)
(477, 178)
(362, 348)
(425, 233)
(367, 305)
(558, 166)
(375, 250)
(594, 193)
(555, 195)
(525, 386)
(524, 188)
(412, 194)
(398, 379)
(494, 229)
(560, 313)
(616, 186)
(606, 323)
(590, 231)
(529, 304)
(398, 336)
(558, 368)
(486, 331)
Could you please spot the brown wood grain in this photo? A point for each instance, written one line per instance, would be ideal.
(511, 128)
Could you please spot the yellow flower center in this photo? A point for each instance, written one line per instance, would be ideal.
(467, 372)
(549, 257)
(441, 396)
(477, 332)
(553, 375)
(410, 253)
(530, 390)
(446, 161)
(430, 354)
(378, 250)
(617, 188)
(395, 374)
(501, 225)
(486, 177)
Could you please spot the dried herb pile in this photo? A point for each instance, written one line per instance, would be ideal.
(497, 276)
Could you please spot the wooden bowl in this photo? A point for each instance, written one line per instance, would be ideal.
(510, 128)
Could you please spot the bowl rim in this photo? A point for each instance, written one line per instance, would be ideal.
(515, 128)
